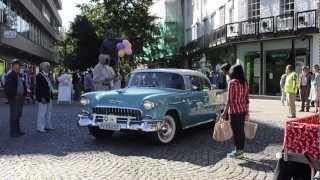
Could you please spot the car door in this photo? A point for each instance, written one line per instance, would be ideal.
(207, 98)
(215, 99)
(196, 101)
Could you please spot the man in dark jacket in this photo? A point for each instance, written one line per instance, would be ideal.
(305, 86)
(16, 90)
(44, 97)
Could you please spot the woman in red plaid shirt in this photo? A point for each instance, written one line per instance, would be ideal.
(237, 108)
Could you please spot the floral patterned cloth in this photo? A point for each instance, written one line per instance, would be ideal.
(302, 135)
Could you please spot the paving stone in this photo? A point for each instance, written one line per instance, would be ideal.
(70, 152)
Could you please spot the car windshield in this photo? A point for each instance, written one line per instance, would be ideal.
(156, 79)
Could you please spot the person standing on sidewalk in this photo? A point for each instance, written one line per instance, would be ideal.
(237, 107)
(291, 88)
(44, 97)
(102, 76)
(305, 86)
(315, 87)
(16, 90)
(76, 81)
(88, 82)
(282, 83)
(225, 68)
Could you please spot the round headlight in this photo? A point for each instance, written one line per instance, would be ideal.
(148, 105)
(84, 101)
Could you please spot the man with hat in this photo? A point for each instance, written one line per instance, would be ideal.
(16, 90)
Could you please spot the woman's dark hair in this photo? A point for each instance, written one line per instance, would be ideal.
(236, 72)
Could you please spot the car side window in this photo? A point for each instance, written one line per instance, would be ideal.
(205, 85)
(195, 83)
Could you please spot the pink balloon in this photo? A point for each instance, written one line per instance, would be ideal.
(128, 51)
(125, 42)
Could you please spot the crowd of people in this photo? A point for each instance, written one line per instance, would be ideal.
(21, 85)
(307, 85)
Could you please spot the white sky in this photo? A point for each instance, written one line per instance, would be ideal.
(69, 11)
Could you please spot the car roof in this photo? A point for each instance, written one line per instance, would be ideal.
(182, 72)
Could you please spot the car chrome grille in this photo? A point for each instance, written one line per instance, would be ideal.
(123, 112)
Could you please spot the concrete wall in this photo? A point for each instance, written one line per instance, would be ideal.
(315, 49)
(40, 18)
(243, 49)
(198, 10)
(26, 45)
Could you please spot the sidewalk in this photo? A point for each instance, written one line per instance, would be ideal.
(263, 109)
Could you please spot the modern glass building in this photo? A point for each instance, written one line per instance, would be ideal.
(29, 30)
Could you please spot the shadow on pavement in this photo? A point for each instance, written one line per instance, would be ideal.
(194, 146)
(266, 165)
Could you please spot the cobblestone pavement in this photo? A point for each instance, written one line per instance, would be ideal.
(70, 152)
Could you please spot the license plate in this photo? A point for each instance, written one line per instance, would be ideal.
(110, 126)
(110, 123)
(110, 119)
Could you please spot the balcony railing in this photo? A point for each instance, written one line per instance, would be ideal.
(266, 25)
(249, 28)
(305, 21)
(285, 22)
(233, 30)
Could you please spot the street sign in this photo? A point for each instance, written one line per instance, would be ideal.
(10, 34)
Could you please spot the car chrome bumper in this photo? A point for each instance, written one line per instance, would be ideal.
(145, 125)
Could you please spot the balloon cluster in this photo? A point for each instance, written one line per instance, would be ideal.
(124, 48)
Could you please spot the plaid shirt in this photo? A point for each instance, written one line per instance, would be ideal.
(238, 97)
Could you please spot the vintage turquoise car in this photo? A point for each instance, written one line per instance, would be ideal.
(158, 101)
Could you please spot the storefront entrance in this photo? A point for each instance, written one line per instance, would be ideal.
(276, 62)
(253, 71)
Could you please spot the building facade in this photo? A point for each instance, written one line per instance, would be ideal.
(169, 18)
(262, 35)
(29, 30)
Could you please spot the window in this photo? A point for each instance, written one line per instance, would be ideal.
(194, 32)
(189, 35)
(213, 21)
(205, 84)
(198, 30)
(286, 6)
(231, 14)
(157, 79)
(222, 11)
(46, 13)
(253, 9)
(199, 83)
(206, 26)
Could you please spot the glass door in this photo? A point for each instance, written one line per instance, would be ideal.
(276, 62)
(253, 71)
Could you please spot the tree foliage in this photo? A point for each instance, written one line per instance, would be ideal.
(129, 19)
(81, 46)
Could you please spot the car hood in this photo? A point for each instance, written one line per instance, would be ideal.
(129, 97)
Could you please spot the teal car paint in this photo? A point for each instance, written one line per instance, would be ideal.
(159, 101)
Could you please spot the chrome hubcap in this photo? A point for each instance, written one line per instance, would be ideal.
(167, 131)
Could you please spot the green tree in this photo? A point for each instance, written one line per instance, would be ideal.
(128, 18)
(81, 46)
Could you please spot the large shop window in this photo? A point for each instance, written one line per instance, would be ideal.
(286, 6)
(253, 9)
